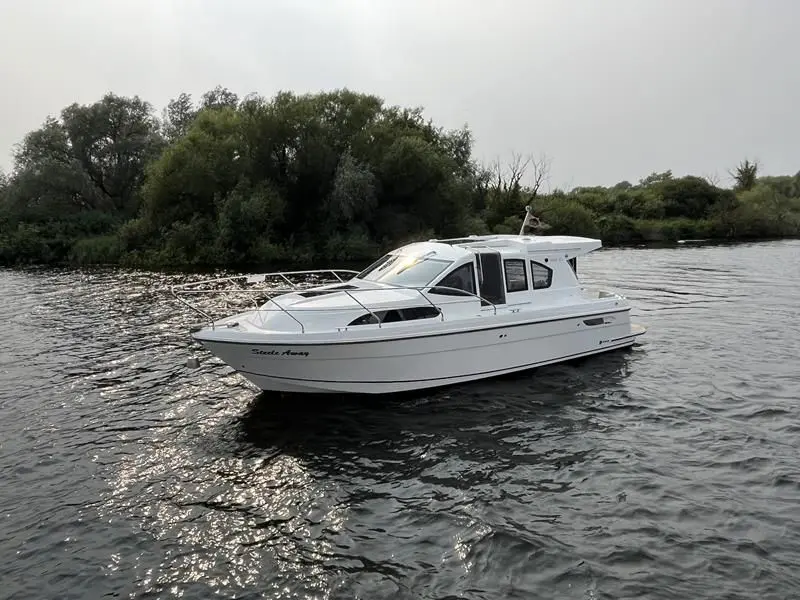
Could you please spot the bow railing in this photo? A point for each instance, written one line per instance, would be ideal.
(239, 293)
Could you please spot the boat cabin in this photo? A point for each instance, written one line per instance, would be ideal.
(442, 279)
(500, 269)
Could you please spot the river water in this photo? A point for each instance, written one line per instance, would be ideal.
(668, 471)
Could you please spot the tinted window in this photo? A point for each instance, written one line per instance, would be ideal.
(573, 262)
(400, 269)
(393, 316)
(463, 278)
(374, 266)
(542, 276)
(366, 319)
(419, 312)
(516, 277)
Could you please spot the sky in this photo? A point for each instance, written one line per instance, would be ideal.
(608, 90)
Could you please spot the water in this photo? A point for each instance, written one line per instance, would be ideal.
(668, 471)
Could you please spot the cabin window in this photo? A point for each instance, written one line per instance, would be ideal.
(542, 276)
(516, 277)
(462, 278)
(412, 313)
(573, 262)
(419, 312)
(405, 270)
(382, 260)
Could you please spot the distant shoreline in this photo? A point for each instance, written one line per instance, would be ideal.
(189, 270)
(334, 177)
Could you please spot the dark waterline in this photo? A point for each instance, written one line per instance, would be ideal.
(668, 471)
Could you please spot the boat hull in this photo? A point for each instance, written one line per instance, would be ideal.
(427, 361)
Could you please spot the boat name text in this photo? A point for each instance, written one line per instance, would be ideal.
(279, 353)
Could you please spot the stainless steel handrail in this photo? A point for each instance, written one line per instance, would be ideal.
(185, 288)
(263, 276)
(372, 314)
(444, 287)
(273, 293)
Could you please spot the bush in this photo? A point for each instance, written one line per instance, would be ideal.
(100, 250)
(568, 217)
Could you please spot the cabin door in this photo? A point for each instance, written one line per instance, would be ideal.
(490, 277)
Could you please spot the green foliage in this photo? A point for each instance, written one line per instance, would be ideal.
(219, 97)
(195, 171)
(306, 177)
(104, 249)
(110, 142)
(76, 177)
(567, 217)
(764, 212)
(334, 176)
(50, 240)
(178, 117)
(745, 175)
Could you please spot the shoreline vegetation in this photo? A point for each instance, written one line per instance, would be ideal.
(229, 182)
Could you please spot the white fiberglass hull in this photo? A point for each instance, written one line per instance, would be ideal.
(423, 361)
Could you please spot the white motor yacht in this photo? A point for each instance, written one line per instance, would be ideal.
(426, 314)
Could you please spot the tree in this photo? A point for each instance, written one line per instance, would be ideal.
(111, 141)
(305, 177)
(219, 97)
(331, 170)
(508, 178)
(77, 178)
(509, 190)
(354, 190)
(690, 196)
(193, 174)
(712, 179)
(178, 117)
(745, 175)
(48, 178)
(4, 185)
(655, 178)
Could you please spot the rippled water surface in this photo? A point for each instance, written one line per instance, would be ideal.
(668, 471)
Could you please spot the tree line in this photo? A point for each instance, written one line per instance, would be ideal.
(334, 176)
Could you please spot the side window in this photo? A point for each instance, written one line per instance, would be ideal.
(463, 278)
(419, 312)
(542, 276)
(411, 313)
(516, 277)
(366, 319)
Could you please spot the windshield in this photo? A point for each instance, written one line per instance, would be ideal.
(399, 269)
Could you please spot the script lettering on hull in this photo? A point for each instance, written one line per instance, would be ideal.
(289, 352)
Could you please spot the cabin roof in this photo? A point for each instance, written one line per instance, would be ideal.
(456, 248)
(574, 245)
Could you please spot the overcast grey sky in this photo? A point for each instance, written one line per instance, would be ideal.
(609, 89)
